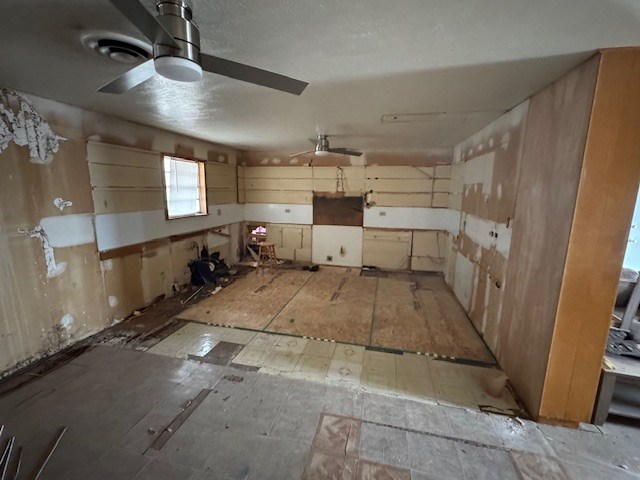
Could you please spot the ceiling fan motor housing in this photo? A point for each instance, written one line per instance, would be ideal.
(322, 147)
(181, 64)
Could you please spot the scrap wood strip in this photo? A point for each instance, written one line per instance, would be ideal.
(177, 422)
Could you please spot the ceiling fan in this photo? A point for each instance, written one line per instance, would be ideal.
(322, 148)
(176, 51)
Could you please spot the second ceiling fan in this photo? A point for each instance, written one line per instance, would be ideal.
(322, 148)
(176, 51)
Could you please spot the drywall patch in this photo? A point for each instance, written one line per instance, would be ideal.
(479, 170)
(61, 203)
(113, 301)
(25, 127)
(53, 269)
(463, 282)
(69, 230)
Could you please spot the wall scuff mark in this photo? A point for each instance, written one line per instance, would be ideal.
(61, 203)
(53, 269)
(26, 127)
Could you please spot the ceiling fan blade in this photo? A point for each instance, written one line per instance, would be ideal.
(250, 74)
(144, 21)
(130, 78)
(345, 151)
(301, 153)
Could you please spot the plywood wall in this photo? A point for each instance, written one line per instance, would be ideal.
(396, 188)
(551, 166)
(483, 192)
(129, 180)
(125, 179)
(604, 206)
(515, 184)
(293, 242)
(51, 297)
(389, 186)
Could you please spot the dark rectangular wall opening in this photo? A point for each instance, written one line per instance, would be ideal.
(337, 209)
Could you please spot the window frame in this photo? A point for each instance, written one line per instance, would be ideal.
(202, 187)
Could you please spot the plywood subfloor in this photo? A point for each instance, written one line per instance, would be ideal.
(331, 305)
(422, 315)
(414, 313)
(251, 302)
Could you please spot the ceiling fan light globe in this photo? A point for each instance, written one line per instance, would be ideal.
(179, 69)
(322, 153)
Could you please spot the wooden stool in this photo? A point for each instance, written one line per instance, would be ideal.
(266, 256)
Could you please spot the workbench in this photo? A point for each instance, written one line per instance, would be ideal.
(615, 370)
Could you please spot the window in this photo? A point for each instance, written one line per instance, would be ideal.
(185, 188)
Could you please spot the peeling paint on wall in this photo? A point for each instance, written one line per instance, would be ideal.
(66, 322)
(26, 127)
(53, 269)
(61, 203)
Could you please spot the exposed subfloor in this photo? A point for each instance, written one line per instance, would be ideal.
(136, 415)
(340, 305)
(404, 375)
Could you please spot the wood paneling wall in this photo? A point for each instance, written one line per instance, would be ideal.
(397, 186)
(125, 179)
(554, 143)
(608, 184)
(484, 189)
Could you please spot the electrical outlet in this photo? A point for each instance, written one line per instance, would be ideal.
(383, 214)
(219, 212)
(287, 210)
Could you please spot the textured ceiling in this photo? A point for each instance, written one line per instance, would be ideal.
(363, 59)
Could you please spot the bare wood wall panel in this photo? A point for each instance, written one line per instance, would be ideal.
(127, 179)
(271, 196)
(554, 143)
(428, 251)
(484, 182)
(120, 176)
(293, 242)
(408, 186)
(604, 207)
(386, 249)
(339, 179)
(389, 186)
(102, 153)
(114, 200)
(222, 183)
(241, 183)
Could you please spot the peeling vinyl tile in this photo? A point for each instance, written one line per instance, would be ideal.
(264, 340)
(310, 367)
(343, 372)
(253, 356)
(415, 387)
(349, 353)
(242, 337)
(279, 362)
(293, 345)
(374, 382)
(410, 376)
(318, 348)
(411, 365)
(380, 363)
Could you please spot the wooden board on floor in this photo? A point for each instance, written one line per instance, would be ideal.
(333, 305)
(251, 302)
(423, 316)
